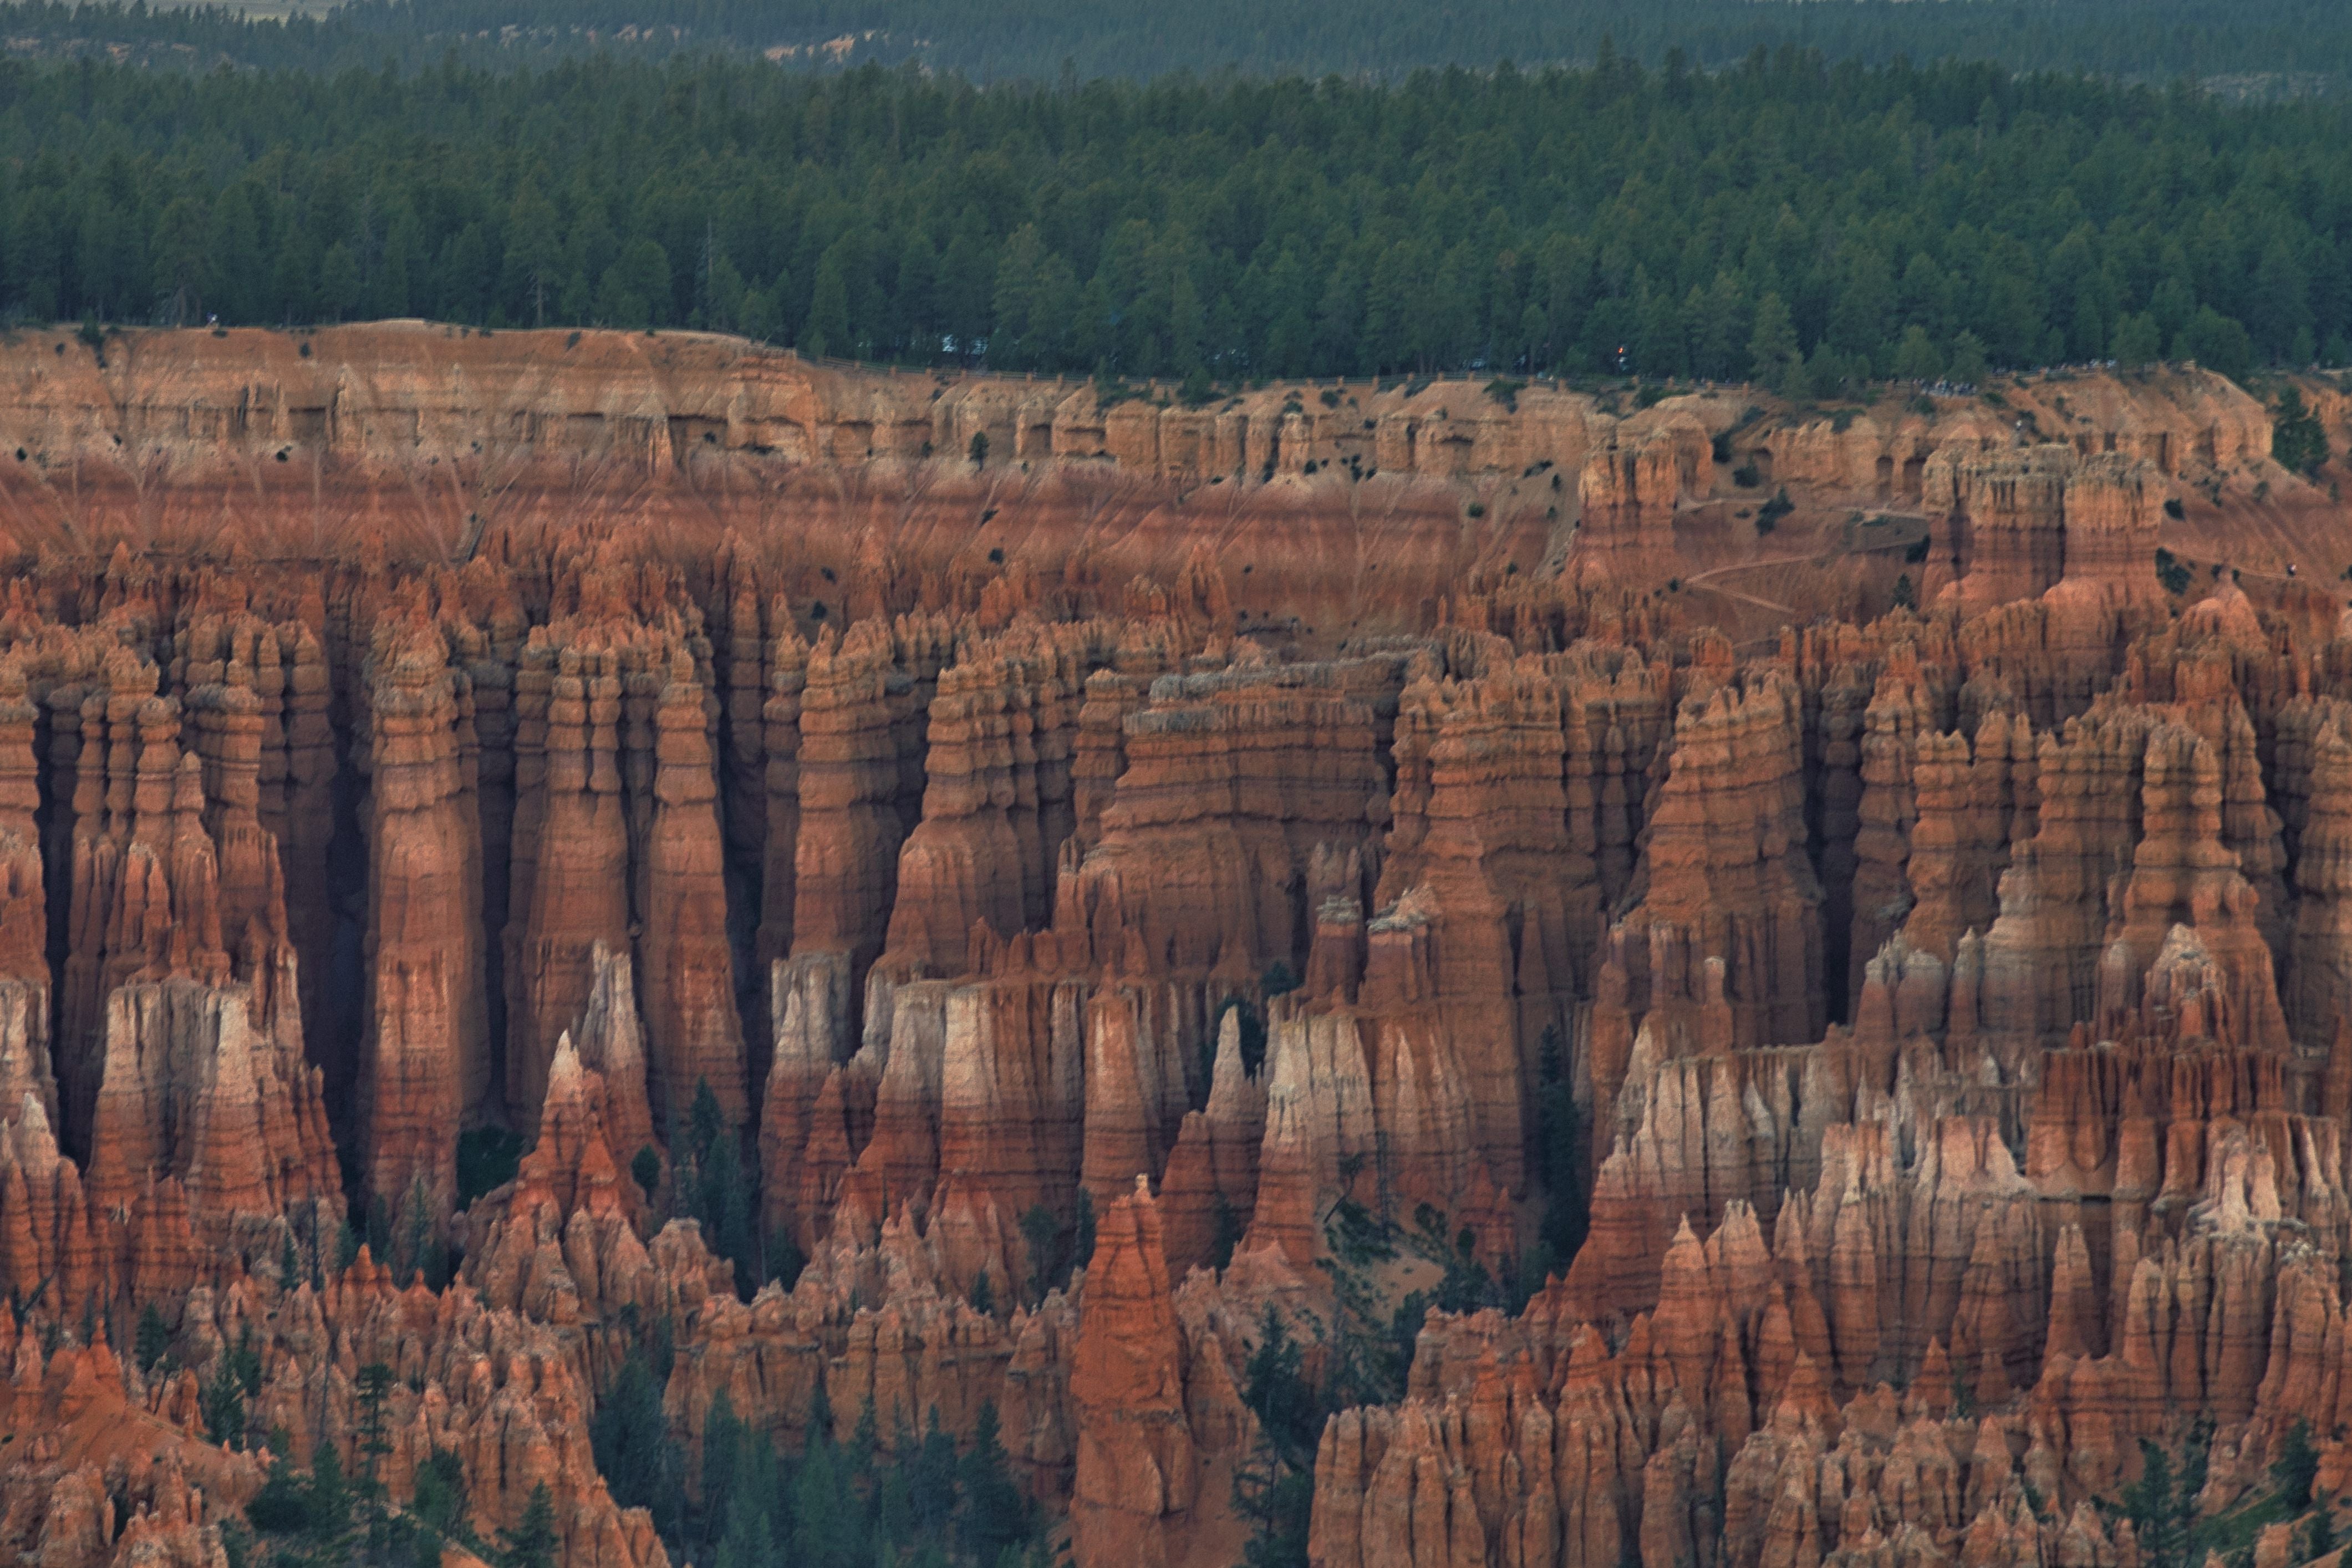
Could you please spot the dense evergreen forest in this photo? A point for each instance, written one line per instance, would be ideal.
(1804, 222)
(2242, 46)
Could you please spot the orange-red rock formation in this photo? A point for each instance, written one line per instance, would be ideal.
(571, 884)
(1304, 844)
(426, 1024)
(846, 854)
(1136, 1480)
(1729, 886)
(689, 970)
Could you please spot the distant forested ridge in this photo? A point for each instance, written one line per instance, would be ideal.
(2261, 47)
(1788, 219)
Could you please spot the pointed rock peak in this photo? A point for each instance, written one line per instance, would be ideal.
(1227, 1067)
(1686, 1259)
(1806, 1401)
(1741, 1236)
(1789, 1232)
(36, 1140)
(565, 1068)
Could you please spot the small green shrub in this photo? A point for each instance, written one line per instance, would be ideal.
(2298, 441)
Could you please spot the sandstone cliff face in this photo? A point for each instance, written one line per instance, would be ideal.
(1627, 492)
(1929, 1027)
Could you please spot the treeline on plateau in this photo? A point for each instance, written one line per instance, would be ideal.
(2259, 47)
(1785, 218)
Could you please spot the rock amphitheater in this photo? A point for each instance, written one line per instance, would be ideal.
(1226, 822)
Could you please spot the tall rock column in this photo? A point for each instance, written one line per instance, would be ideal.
(572, 890)
(1900, 710)
(425, 1011)
(964, 862)
(1966, 792)
(300, 811)
(225, 722)
(695, 1035)
(2182, 873)
(846, 855)
(2319, 975)
(25, 1065)
(1727, 875)
(94, 747)
(779, 718)
(1481, 836)
(1137, 1470)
